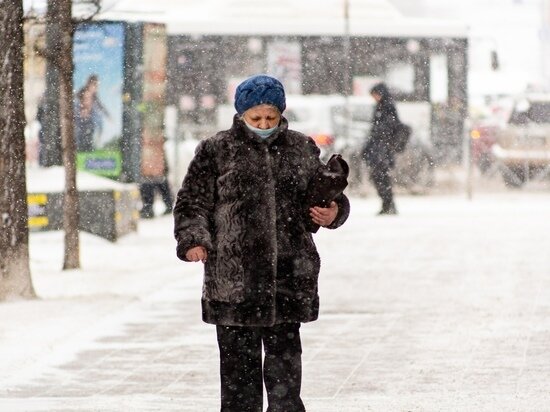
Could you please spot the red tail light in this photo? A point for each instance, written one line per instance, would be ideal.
(323, 139)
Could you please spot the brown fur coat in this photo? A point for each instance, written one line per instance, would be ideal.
(243, 200)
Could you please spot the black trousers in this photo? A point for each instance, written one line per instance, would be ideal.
(380, 175)
(241, 368)
(147, 191)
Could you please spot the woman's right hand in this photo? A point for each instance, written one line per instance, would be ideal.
(196, 253)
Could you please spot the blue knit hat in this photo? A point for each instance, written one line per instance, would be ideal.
(259, 89)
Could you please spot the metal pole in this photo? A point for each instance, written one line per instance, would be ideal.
(347, 72)
(545, 43)
(177, 130)
(467, 158)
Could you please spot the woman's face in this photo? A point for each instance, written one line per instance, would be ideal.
(263, 116)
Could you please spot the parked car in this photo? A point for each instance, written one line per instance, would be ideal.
(483, 136)
(522, 147)
(308, 114)
(313, 116)
(488, 118)
(323, 117)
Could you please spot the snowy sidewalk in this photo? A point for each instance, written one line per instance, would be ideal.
(445, 307)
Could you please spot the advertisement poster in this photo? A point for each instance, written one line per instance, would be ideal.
(284, 61)
(98, 86)
(155, 52)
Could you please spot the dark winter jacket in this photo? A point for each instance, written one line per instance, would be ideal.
(384, 121)
(242, 199)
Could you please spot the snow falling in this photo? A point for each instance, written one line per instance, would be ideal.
(431, 299)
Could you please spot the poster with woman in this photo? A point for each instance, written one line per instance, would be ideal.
(98, 83)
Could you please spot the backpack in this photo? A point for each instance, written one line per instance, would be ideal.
(401, 137)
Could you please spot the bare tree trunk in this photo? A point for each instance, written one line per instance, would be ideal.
(60, 14)
(70, 204)
(15, 274)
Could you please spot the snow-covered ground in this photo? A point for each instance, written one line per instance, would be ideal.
(442, 308)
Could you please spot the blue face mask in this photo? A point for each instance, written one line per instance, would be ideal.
(263, 133)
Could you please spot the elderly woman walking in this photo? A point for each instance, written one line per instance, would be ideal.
(241, 211)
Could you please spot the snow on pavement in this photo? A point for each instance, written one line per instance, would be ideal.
(444, 307)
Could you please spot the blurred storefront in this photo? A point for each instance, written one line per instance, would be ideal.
(314, 47)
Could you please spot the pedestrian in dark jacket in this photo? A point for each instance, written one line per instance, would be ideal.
(379, 154)
(241, 212)
(149, 186)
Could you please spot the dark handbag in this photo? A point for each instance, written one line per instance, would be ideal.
(329, 181)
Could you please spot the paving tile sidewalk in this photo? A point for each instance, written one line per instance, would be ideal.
(444, 308)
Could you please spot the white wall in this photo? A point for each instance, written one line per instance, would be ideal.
(511, 27)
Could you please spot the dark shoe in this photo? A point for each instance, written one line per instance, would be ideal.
(167, 211)
(391, 210)
(146, 214)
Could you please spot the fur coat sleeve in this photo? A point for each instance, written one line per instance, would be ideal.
(196, 203)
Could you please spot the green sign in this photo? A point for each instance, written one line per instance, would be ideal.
(101, 162)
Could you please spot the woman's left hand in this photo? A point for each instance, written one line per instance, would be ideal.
(324, 216)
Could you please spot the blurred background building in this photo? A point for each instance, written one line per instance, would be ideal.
(509, 41)
(441, 59)
(517, 30)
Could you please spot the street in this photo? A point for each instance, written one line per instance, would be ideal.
(445, 307)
